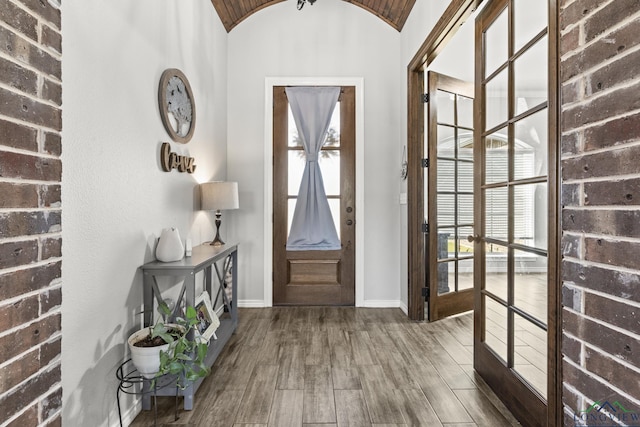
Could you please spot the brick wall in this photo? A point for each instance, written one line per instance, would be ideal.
(30, 213)
(600, 125)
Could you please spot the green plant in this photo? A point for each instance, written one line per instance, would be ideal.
(185, 356)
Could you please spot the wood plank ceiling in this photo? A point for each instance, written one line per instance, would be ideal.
(393, 12)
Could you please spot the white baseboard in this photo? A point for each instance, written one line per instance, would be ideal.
(219, 310)
(251, 303)
(404, 308)
(382, 304)
(257, 303)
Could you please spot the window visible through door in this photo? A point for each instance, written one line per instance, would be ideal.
(328, 160)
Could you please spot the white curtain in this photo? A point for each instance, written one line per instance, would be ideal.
(312, 227)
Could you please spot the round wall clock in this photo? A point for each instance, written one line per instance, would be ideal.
(177, 107)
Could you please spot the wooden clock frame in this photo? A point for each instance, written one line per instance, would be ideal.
(163, 103)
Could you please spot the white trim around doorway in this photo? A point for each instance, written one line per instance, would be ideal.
(270, 82)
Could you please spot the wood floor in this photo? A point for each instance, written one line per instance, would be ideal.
(326, 366)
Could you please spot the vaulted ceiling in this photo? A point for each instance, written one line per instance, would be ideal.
(393, 12)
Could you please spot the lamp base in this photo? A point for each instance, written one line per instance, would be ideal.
(217, 241)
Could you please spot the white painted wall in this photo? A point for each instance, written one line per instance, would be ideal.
(423, 17)
(116, 198)
(330, 39)
(457, 59)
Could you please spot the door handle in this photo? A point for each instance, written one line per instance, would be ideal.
(472, 239)
(349, 222)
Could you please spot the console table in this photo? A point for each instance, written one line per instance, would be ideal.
(221, 259)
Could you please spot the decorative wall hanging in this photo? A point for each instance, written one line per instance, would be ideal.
(177, 106)
(170, 160)
(404, 167)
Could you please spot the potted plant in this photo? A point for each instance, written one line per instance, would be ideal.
(170, 348)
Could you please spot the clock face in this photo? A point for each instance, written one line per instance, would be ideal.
(177, 108)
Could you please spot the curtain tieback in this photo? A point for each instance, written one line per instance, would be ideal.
(312, 157)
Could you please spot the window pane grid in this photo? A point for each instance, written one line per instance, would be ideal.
(454, 191)
(328, 160)
(516, 177)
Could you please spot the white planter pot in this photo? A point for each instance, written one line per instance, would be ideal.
(146, 359)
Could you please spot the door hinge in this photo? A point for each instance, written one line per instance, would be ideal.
(425, 227)
(426, 293)
(425, 98)
(425, 163)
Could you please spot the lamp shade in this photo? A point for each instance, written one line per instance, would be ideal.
(219, 195)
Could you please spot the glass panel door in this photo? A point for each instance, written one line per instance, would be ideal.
(450, 195)
(512, 158)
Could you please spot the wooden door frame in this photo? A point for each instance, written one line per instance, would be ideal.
(453, 17)
(270, 82)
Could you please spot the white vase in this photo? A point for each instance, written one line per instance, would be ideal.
(170, 246)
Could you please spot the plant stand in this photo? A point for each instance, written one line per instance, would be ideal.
(127, 385)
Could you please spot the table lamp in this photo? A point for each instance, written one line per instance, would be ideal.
(218, 196)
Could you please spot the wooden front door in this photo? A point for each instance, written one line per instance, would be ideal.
(314, 277)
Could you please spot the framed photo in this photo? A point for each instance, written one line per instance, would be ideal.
(208, 321)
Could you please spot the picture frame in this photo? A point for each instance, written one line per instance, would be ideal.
(208, 319)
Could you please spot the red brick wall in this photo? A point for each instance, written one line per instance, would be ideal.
(600, 125)
(30, 213)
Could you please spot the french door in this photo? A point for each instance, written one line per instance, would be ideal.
(514, 146)
(449, 207)
(314, 277)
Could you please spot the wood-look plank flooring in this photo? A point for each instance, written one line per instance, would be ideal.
(341, 366)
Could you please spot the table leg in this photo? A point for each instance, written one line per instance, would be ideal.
(146, 396)
(234, 289)
(188, 398)
(190, 287)
(147, 298)
(207, 280)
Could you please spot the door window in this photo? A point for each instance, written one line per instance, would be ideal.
(328, 160)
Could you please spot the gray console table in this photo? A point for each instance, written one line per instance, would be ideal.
(221, 259)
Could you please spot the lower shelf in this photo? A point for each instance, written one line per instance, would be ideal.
(224, 332)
